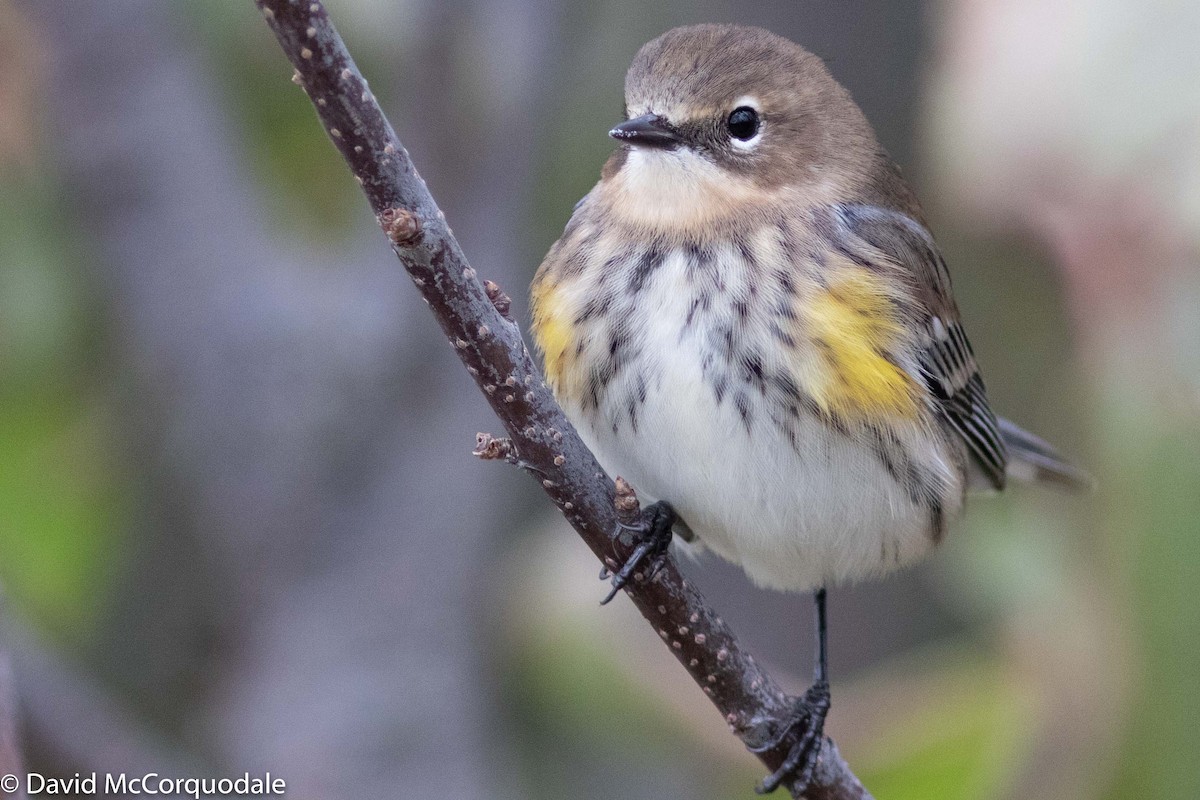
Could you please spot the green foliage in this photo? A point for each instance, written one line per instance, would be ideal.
(61, 501)
(573, 698)
(1155, 532)
(964, 747)
(281, 136)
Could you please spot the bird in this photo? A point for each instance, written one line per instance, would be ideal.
(749, 320)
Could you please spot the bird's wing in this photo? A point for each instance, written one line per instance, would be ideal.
(947, 362)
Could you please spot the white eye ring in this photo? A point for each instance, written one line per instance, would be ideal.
(749, 144)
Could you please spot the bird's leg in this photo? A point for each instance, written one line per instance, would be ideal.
(807, 720)
(653, 536)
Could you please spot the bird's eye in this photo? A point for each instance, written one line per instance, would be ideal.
(742, 123)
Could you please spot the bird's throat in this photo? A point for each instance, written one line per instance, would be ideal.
(677, 192)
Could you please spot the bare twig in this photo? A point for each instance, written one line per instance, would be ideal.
(544, 441)
(489, 448)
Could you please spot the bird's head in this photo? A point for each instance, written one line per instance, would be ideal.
(721, 118)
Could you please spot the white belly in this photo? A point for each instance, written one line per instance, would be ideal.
(793, 520)
(795, 516)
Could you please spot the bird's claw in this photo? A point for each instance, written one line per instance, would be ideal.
(653, 536)
(808, 718)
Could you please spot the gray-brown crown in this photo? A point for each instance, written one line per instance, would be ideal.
(695, 76)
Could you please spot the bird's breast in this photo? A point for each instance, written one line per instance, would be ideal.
(771, 316)
(747, 384)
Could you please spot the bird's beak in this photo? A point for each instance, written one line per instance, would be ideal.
(648, 130)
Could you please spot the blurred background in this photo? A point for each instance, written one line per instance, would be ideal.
(240, 525)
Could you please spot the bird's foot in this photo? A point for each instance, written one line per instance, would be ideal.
(808, 722)
(652, 534)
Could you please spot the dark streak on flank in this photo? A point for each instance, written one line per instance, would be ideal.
(595, 307)
(754, 365)
(699, 260)
(782, 335)
(651, 260)
(719, 387)
(937, 518)
(742, 402)
(746, 252)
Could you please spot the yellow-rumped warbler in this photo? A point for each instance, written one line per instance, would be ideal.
(748, 319)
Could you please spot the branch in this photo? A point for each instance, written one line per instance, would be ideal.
(542, 440)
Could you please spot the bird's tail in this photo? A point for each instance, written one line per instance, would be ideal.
(1033, 460)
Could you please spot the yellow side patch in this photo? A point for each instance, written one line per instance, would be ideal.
(852, 323)
(554, 333)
